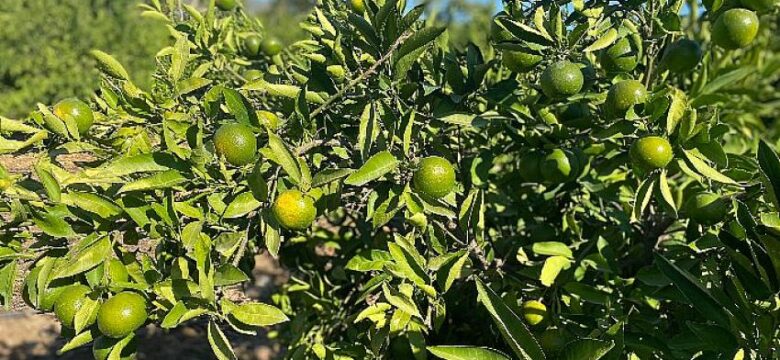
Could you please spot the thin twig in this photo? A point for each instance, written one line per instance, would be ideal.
(362, 76)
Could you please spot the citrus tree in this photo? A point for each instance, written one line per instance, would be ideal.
(600, 183)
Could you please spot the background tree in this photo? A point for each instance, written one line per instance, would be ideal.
(44, 46)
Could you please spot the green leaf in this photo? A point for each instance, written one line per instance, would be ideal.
(524, 32)
(586, 349)
(706, 170)
(281, 155)
(693, 291)
(714, 336)
(271, 235)
(228, 274)
(53, 225)
(726, 79)
(539, 19)
(191, 233)
(605, 40)
(52, 123)
(129, 165)
(413, 48)
(92, 203)
(552, 267)
(454, 352)
(179, 58)
(453, 272)
(666, 192)
(769, 163)
(187, 86)
(375, 167)
(509, 324)
(400, 301)
(173, 318)
(258, 314)
(50, 184)
(236, 104)
(281, 90)
(327, 176)
(79, 340)
(407, 265)
(678, 105)
(10, 125)
(110, 66)
(163, 180)
(243, 204)
(368, 130)
(88, 311)
(552, 248)
(219, 343)
(8, 275)
(81, 260)
(642, 198)
(368, 260)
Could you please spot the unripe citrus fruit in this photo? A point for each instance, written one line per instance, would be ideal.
(294, 210)
(735, 28)
(624, 95)
(236, 142)
(562, 79)
(651, 152)
(271, 46)
(227, 5)
(534, 312)
(682, 56)
(103, 345)
(576, 115)
(760, 5)
(520, 61)
(122, 314)
(552, 341)
(434, 177)
(357, 6)
(706, 208)
(620, 57)
(558, 166)
(253, 74)
(69, 303)
(530, 166)
(76, 109)
(252, 46)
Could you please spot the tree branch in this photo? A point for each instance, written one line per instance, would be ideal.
(362, 76)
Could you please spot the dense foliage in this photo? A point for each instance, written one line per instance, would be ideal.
(45, 48)
(600, 183)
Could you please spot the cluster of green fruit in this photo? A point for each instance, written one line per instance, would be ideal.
(733, 29)
(295, 210)
(253, 45)
(77, 305)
